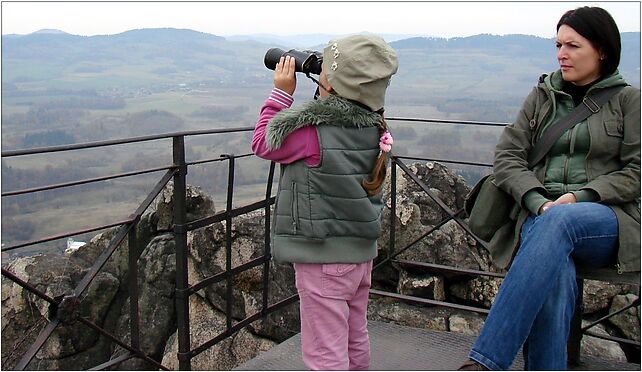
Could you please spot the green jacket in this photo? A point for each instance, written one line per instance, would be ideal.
(609, 172)
(322, 213)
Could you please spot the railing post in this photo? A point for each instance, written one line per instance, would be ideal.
(180, 241)
(134, 319)
(393, 205)
(228, 240)
(268, 250)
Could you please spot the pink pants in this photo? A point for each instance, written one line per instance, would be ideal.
(334, 302)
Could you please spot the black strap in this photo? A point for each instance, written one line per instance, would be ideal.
(589, 106)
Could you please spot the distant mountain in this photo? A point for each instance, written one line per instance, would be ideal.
(518, 58)
(485, 65)
(133, 58)
(303, 41)
(49, 31)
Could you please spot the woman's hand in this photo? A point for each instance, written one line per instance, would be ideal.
(545, 206)
(284, 76)
(568, 198)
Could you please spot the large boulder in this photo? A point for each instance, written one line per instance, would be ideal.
(25, 315)
(207, 257)
(206, 323)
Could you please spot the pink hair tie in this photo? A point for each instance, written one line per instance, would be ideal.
(385, 142)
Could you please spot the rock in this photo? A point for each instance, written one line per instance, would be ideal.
(447, 186)
(599, 348)
(24, 315)
(425, 286)
(467, 323)
(480, 290)
(628, 321)
(205, 324)
(197, 204)
(392, 311)
(157, 280)
(248, 243)
(597, 295)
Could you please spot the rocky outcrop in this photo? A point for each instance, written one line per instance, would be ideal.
(106, 302)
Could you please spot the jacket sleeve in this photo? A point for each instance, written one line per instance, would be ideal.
(303, 143)
(511, 156)
(623, 186)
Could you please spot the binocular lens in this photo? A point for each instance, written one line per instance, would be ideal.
(304, 61)
(272, 57)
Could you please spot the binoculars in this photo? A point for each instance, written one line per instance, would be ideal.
(305, 61)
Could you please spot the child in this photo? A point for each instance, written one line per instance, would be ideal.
(333, 156)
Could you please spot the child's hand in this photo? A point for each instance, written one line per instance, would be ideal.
(284, 76)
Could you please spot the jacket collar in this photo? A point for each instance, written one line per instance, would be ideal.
(554, 82)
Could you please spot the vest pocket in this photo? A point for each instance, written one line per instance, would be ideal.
(295, 208)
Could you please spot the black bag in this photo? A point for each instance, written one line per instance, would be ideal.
(490, 207)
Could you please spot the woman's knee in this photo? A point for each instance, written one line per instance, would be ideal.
(577, 219)
(556, 223)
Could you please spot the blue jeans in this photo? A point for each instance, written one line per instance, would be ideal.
(536, 300)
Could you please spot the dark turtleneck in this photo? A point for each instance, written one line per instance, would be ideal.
(576, 91)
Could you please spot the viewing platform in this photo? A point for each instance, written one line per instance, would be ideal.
(398, 348)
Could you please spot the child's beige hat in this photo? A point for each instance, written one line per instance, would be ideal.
(359, 68)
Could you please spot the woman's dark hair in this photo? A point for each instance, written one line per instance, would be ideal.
(596, 25)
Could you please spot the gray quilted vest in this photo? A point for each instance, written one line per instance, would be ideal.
(322, 213)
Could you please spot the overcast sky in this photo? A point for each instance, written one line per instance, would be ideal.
(443, 19)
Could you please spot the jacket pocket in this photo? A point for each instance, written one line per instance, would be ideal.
(614, 128)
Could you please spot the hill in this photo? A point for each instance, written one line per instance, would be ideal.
(139, 58)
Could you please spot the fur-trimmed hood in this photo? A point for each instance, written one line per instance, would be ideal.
(332, 110)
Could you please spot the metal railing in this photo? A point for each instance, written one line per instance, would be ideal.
(64, 309)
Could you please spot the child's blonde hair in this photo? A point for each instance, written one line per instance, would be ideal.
(378, 173)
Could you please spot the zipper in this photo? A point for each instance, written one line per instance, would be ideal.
(295, 207)
(568, 157)
(618, 267)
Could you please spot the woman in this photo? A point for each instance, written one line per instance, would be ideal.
(579, 205)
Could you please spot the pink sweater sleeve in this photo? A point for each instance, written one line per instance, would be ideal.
(303, 143)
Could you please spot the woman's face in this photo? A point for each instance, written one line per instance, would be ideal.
(579, 61)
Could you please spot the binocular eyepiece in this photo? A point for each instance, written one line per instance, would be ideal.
(305, 61)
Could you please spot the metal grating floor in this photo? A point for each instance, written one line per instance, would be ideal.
(395, 347)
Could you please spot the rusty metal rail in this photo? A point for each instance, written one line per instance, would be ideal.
(64, 309)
